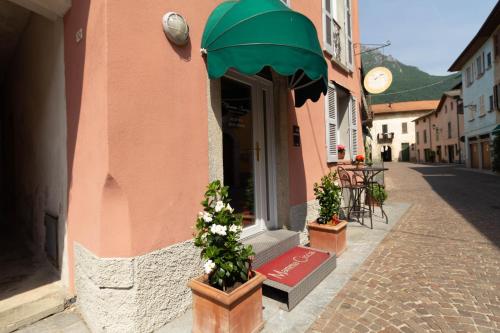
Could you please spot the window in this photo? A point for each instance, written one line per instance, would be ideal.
(404, 128)
(437, 134)
(341, 118)
(425, 136)
(496, 96)
(491, 104)
(480, 65)
(384, 128)
(449, 130)
(488, 60)
(348, 28)
(331, 108)
(337, 31)
(451, 105)
(418, 138)
(482, 109)
(469, 76)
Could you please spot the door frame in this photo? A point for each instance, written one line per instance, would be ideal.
(265, 168)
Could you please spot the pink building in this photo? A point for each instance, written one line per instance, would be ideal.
(439, 133)
(110, 134)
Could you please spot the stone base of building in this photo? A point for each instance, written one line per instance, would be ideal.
(137, 294)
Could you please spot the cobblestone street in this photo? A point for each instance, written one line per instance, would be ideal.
(438, 270)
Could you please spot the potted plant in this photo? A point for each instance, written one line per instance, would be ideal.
(376, 195)
(341, 151)
(228, 297)
(328, 232)
(358, 160)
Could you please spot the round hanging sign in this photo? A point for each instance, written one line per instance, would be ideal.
(378, 80)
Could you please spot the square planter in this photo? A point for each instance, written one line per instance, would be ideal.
(239, 311)
(327, 237)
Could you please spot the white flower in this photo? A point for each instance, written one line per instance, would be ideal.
(219, 206)
(209, 266)
(207, 217)
(229, 208)
(204, 237)
(234, 228)
(218, 229)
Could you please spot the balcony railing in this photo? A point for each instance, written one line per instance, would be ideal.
(385, 137)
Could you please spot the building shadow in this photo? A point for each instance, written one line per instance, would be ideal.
(475, 196)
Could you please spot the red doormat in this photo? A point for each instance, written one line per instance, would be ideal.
(293, 266)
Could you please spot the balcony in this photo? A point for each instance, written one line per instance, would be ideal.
(385, 137)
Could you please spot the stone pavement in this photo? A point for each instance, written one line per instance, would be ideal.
(361, 242)
(68, 321)
(439, 268)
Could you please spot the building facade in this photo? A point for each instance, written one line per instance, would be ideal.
(393, 129)
(124, 129)
(438, 133)
(477, 64)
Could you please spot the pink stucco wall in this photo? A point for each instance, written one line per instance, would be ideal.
(137, 124)
(308, 164)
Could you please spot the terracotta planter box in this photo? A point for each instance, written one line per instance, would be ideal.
(328, 237)
(237, 312)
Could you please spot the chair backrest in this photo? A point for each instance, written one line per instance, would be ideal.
(344, 177)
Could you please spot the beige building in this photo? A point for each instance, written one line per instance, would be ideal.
(394, 130)
(438, 133)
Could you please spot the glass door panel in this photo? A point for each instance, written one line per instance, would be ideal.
(238, 147)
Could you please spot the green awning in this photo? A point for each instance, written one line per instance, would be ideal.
(249, 35)
(496, 130)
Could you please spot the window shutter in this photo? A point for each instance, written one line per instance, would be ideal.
(328, 26)
(331, 124)
(353, 117)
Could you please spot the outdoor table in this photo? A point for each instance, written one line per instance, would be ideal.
(367, 174)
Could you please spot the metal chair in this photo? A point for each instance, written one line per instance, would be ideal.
(355, 204)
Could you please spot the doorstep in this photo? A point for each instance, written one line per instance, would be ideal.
(270, 244)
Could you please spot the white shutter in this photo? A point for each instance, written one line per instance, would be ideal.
(331, 124)
(353, 126)
(328, 25)
(348, 34)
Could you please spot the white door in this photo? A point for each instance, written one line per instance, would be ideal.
(248, 150)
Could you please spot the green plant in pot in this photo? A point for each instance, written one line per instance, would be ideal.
(377, 193)
(227, 260)
(229, 285)
(329, 196)
(328, 232)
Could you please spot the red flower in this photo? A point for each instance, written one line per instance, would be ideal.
(360, 158)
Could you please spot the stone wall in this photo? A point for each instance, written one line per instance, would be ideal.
(137, 294)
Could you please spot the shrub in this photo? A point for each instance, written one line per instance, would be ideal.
(377, 192)
(329, 196)
(227, 261)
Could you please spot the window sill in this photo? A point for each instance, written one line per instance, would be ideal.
(341, 65)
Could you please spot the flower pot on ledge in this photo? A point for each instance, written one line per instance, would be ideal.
(328, 237)
(341, 155)
(217, 311)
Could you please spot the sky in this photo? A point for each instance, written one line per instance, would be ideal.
(429, 34)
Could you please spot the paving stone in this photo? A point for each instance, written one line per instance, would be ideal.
(439, 267)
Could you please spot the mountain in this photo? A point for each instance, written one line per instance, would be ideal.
(422, 85)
